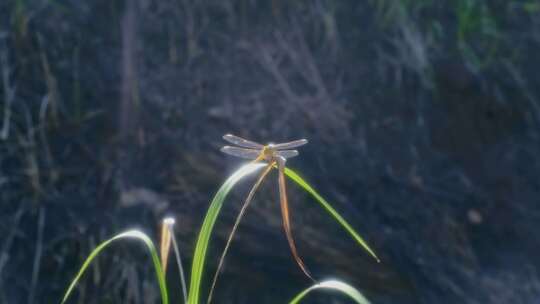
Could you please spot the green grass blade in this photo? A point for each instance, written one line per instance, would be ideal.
(199, 256)
(300, 181)
(342, 287)
(126, 235)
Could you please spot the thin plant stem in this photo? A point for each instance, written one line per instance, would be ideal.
(37, 258)
(179, 263)
(248, 200)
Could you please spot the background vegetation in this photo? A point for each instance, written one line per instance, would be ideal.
(112, 114)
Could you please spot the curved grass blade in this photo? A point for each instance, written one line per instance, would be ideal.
(125, 235)
(300, 181)
(342, 287)
(286, 219)
(247, 202)
(201, 247)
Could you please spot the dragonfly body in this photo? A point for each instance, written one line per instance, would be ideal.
(269, 152)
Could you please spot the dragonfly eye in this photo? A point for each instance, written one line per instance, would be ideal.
(271, 146)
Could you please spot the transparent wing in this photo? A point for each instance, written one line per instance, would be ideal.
(287, 153)
(241, 152)
(291, 144)
(239, 141)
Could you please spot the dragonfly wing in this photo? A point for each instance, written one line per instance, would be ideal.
(239, 141)
(291, 144)
(287, 153)
(241, 152)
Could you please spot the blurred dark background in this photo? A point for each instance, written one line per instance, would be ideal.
(423, 120)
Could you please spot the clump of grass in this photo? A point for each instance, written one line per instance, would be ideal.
(201, 248)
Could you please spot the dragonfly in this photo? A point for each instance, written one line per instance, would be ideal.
(274, 155)
(257, 152)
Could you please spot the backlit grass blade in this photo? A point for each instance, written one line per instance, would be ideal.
(126, 235)
(239, 218)
(199, 256)
(286, 218)
(300, 181)
(339, 286)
